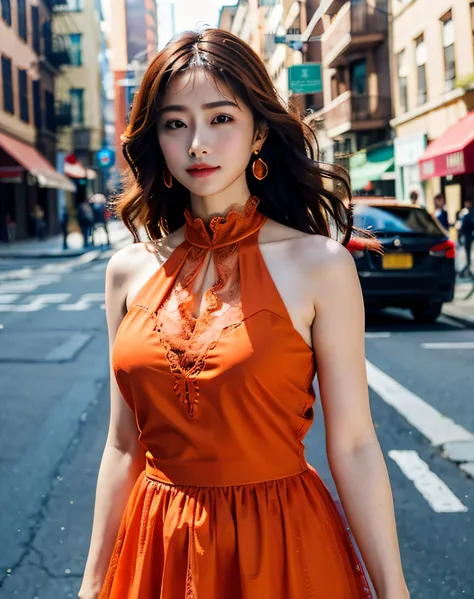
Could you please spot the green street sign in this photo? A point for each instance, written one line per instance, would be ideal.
(305, 78)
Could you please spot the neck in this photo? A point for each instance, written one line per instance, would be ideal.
(208, 206)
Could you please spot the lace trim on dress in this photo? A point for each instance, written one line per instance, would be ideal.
(188, 339)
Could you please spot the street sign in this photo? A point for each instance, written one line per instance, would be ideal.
(106, 158)
(305, 78)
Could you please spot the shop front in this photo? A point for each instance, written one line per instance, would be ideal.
(372, 172)
(28, 191)
(408, 151)
(451, 159)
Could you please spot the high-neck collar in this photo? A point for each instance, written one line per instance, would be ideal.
(237, 223)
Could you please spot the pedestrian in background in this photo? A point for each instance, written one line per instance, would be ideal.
(98, 203)
(414, 197)
(465, 227)
(441, 213)
(204, 490)
(37, 214)
(64, 222)
(11, 229)
(85, 218)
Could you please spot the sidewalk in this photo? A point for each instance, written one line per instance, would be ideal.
(52, 247)
(462, 307)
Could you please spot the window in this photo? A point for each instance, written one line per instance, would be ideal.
(50, 114)
(35, 29)
(420, 54)
(358, 71)
(23, 92)
(75, 50)
(7, 79)
(22, 31)
(7, 12)
(449, 59)
(69, 6)
(77, 106)
(403, 80)
(37, 110)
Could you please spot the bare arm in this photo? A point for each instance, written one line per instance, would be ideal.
(123, 458)
(354, 454)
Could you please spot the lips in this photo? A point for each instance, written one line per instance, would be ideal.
(201, 167)
(202, 170)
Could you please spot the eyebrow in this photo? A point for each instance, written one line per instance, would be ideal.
(180, 108)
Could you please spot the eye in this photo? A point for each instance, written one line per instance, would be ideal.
(220, 119)
(175, 124)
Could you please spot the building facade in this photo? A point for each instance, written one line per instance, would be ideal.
(133, 44)
(29, 119)
(433, 90)
(77, 23)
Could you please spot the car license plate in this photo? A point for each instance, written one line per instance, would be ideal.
(395, 261)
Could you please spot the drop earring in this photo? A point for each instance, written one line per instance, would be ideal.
(167, 178)
(259, 168)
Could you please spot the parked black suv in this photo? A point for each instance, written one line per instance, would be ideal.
(417, 268)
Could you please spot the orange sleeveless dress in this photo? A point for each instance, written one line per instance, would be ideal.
(227, 507)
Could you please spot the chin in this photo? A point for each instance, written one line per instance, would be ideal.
(206, 188)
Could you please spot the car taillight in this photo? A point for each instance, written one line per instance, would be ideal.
(447, 249)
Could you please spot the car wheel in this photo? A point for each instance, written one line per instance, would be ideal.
(426, 314)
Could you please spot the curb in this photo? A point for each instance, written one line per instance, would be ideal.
(55, 255)
(45, 255)
(462, 319)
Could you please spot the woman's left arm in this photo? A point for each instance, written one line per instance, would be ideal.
(354, 454)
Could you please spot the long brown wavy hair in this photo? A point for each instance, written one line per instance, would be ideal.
(299, 191)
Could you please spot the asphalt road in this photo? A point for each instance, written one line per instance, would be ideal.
(54, 400)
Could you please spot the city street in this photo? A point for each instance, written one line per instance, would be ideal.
(54, 373)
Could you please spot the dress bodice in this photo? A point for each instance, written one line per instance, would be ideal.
(222, 395)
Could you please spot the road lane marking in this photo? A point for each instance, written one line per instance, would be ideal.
(9, 298)
(436, 492)
(378, 335)
(454, 345)
(436, 427)
(65, 352)
(84, 303)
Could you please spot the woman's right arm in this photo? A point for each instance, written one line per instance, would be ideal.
(123, 458)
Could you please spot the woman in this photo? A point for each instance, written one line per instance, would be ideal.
(215, 329)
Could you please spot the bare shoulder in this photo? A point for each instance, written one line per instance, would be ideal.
(312, 251)
(123, 263)
(133, 259)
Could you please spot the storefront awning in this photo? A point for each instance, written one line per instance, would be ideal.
(36, 164)
(452, 153)
(370, 166)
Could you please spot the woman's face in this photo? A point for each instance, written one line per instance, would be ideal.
(201, 124)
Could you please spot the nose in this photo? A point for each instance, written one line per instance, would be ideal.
(199, 146)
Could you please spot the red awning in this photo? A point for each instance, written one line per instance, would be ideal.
(36, 164)
(452, 153)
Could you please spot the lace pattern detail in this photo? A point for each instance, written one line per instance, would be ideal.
(188, 339)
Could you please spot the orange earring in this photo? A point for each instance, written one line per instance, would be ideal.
(167, 178)
(259, 168)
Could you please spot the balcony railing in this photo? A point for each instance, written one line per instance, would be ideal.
(355, 27)
(63, 114)
(354, 112)
(57, 51)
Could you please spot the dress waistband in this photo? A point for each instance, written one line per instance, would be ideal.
(218, 474)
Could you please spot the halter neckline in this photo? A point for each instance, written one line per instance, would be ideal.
(237, 223)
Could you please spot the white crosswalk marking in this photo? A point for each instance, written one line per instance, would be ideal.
(454, 345)
(439, 496)
(33, 303)
(28, 285)
(378, 335)
(436, 427)
(84, 303)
